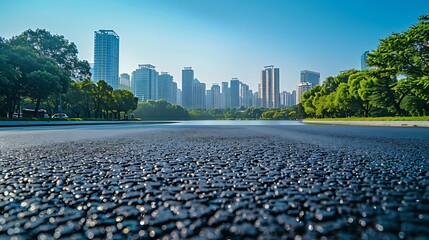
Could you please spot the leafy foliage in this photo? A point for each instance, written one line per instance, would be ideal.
(55, 47)
(397, 84)
(160, 110)
(98, 100)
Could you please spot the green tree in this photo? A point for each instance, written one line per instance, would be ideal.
(415, 106)
(309, 102)
(420, 88)
(279, 115)
(124, 102)
(79, 99)
(161, 110)
(254, 113)
(268, 114)
(10, 79)
(57, 47)
(46, 79)
(25, 73)
(388, 92)
(345, 101)
(101, 98)
(406, 53)
(361, 88)
(331, 84)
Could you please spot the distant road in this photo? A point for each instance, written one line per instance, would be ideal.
(373, 123)
(214, 180)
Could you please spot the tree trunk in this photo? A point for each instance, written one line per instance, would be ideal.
(36, 109)
(366, 109)
(397, 104)
(10, 108)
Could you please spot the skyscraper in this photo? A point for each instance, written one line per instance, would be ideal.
(363, 58)
(245, 95)
(283, 99)
(291, 100)
(288, 99)
(106, 57)
(144, 82)
(301, 88)
(226, 96)
(198, 95)
(179, 96)
(270, 87)
(187, 80)
(174, 94)
(216, 96)
(167, 89)
(125, 80)
(235, 93)
(311, 77)
(209, 99)
(256, 100)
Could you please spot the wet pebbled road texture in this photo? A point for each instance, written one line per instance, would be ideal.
(214, 183)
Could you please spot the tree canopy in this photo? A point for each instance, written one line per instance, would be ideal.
(160, 110)
(56, 47)
(399, 72)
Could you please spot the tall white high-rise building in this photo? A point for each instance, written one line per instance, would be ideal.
(226, 96)
(288, 99)
(256, 100)
(145, 82)
(216, 96)
(106, 57)
(270, 87)
(301, 88)
(246, 96)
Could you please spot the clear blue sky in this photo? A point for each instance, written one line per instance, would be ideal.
(222, 39)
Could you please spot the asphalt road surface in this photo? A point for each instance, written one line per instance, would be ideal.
(214, 181)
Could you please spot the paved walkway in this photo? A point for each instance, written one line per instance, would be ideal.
(62, 123)
(373, 123)
(217, 182)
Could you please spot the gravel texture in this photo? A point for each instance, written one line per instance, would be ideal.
(216, 183)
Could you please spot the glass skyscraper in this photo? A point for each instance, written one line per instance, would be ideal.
(106, 57)
(144, 82)
(187, 81)
(311, 77)
(235, 93)
(363, 58)
(167, 89)
(216, 96)
(226, 97)
(198, 95)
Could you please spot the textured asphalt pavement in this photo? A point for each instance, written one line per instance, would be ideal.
(215, 182)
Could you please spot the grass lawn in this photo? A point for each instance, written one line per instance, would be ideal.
(424, 118)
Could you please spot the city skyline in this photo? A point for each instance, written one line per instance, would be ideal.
(324, 37)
